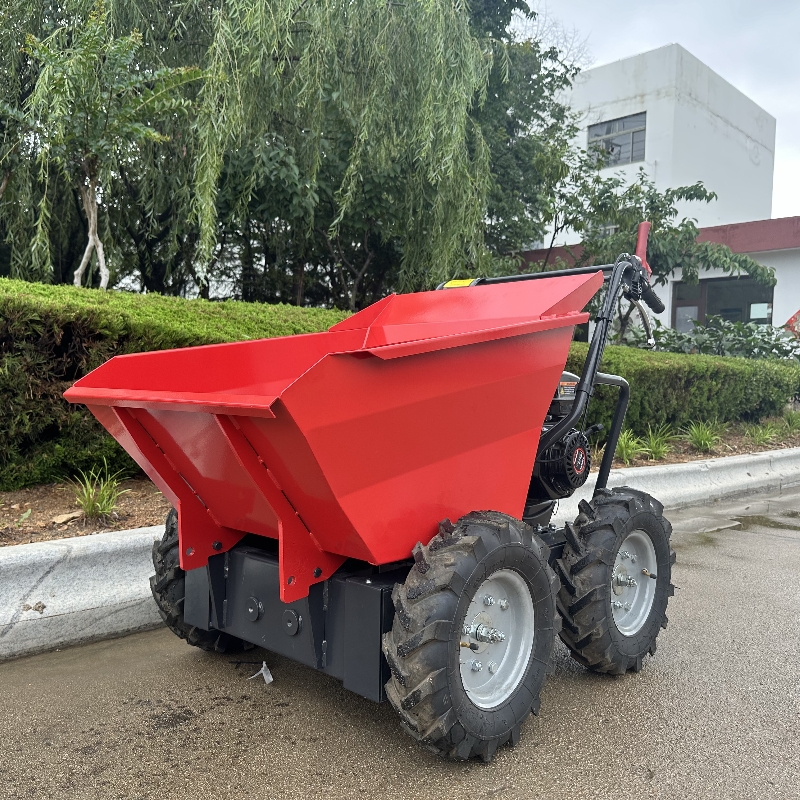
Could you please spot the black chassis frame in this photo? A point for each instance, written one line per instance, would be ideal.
(338, 628)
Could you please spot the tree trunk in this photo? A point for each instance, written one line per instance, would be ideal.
(250, 289)
(299, 276)
(89, 199)
(90, 209)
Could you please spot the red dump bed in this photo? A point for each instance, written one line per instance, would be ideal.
(354, 442)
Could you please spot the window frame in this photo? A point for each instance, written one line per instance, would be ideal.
(590, 141)
(702, 303)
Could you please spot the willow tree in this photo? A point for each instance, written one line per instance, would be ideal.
(321, 122)
(280, 76)
(90, 105)
(403, 76)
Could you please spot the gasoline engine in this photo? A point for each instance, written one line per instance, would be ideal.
(564, 466)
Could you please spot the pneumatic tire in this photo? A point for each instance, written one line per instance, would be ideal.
(444, 606)
(168, 588)
(615, 574)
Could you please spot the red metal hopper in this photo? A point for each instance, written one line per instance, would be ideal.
(351, 443)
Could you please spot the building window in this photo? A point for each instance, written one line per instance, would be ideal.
(733, 299)
(621, 140)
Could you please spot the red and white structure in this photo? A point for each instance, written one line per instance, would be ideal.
(772, 242)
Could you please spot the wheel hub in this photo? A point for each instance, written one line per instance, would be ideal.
(619, 580)
(503, 633)
(483, 633)
(636, 556)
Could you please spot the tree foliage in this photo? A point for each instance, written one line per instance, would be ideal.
(334, 150)
(380, 90)
(614, 211)
(316, 153)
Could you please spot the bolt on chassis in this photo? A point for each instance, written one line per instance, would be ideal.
(374, 501)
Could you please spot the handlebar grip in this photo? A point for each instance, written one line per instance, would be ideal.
(653, 300)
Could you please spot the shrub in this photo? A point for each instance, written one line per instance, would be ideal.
(52, 335)
(657, 441)
(703, 436)
(677, 388)
(721, 337)
(629, 447)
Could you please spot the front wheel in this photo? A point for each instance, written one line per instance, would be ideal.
(615, 573)
(168, 586)
(473, 635)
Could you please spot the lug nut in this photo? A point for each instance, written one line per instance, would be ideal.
(492, 667)
(488, 600)
(466, 630)
(616, 604)
(477, 666)
(504, 604)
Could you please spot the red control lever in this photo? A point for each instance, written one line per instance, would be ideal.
(641, 245)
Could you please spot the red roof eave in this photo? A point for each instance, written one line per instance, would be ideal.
(755, 237)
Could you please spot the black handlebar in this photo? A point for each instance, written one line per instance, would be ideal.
(652, 299)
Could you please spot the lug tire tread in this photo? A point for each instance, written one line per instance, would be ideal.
(585, 573)
(425, 606)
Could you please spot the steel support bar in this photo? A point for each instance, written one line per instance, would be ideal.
(302, 561)
(616, 424)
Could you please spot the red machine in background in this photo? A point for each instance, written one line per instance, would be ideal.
(314, 478)
(793, 324)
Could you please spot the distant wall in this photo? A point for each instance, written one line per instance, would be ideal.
(699, 128)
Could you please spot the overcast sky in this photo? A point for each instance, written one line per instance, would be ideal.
(753, 45)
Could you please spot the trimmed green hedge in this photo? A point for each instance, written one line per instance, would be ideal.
(52, 335)
(678, 388)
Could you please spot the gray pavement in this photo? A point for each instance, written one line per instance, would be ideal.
(716, 713)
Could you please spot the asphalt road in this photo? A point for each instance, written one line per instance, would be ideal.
(716, 713)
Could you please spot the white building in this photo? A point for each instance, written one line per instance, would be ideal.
(668, 113)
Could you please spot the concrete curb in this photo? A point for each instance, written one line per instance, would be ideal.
(698, 482)
(71, 591)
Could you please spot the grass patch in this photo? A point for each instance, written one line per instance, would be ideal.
(97, 492)
(704, 437)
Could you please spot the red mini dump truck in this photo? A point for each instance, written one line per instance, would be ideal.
(374, 501)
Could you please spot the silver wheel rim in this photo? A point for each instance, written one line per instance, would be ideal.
(632, 587)
(492, 668)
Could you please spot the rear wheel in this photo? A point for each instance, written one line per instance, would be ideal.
(615, 580)
(473, 635)
(168, 588)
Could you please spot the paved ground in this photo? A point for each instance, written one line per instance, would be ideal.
(716, 714)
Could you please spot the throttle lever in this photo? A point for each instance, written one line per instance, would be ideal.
(648, 328)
